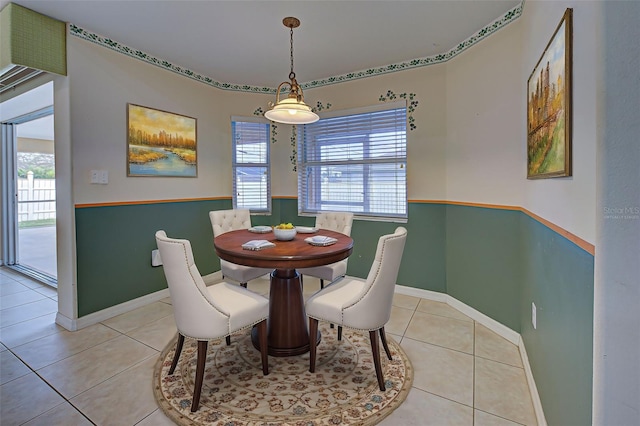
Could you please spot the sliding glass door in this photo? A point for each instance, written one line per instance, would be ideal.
(29, 195)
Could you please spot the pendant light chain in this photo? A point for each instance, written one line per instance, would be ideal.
(292, 109)
(292, 74)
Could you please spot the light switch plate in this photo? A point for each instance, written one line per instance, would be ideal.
(100, 177)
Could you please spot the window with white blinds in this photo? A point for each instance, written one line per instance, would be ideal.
(355, 162)
(251, 169)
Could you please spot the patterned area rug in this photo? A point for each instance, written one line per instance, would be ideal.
(342, 391)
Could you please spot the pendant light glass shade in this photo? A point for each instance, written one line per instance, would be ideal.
(292, 109)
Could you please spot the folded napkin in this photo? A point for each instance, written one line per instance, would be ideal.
(306, 229)
(260, 229)
(257, 244)
(320, 240)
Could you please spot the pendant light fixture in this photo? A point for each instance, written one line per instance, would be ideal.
(292, 109)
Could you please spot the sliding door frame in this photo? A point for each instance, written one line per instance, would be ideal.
(9, 196)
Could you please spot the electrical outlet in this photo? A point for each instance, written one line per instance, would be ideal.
(534, 319)
(156, 260)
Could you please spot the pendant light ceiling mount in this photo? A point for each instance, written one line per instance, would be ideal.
(292, 109)
(291, 22)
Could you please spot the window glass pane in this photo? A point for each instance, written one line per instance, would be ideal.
(251, 169)
(355, 163)
(252, 187)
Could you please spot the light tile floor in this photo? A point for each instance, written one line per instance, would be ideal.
(464, 373)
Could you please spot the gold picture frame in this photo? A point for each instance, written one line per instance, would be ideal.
(549, 106)
(160, 143)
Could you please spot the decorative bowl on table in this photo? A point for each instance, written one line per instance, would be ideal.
(284, 232)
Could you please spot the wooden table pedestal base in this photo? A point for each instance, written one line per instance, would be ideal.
(288, 333)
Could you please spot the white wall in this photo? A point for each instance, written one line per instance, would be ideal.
(102, 83)
(485, 154)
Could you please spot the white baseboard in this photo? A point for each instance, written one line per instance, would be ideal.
(424, 294)
(495, 326)
(110, 312)
(65, 322)
(535, 397)
(488, 322)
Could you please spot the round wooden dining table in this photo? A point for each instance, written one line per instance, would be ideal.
(287, 324)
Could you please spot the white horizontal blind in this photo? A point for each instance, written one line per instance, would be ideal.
(356, 163)
(251, 166)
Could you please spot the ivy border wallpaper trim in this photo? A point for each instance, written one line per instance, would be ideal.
(499, 23)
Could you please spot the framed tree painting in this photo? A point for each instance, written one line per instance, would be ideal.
(549, 100)
(160, 143)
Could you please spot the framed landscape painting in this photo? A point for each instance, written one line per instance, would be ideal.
(549, 100)
(160, 143)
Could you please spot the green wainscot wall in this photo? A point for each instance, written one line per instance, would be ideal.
(499, 262)
(494, 260)
(114, 244)
(558, 277)
(484, 268)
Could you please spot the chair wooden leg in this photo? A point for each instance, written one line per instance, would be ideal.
(332, 325)
(339, 332)
(383, 337)
(176, 356)
(375, 351)
(264, 347)
(313, 332)
(197, 388)
(228, 340)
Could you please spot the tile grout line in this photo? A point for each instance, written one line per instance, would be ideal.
(500, 417)
(498, 362)
(443, 397)
(440, 346)
(61, 359)
(97, 384)
(473, 381)
(68, 401)
(28, 319)
(444, 347)
(26, 303)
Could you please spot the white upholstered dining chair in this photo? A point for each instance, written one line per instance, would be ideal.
(204, 313)
(361, 304)
(230, 220)
(334, 221)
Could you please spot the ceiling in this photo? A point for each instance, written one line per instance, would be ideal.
(245, 42)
